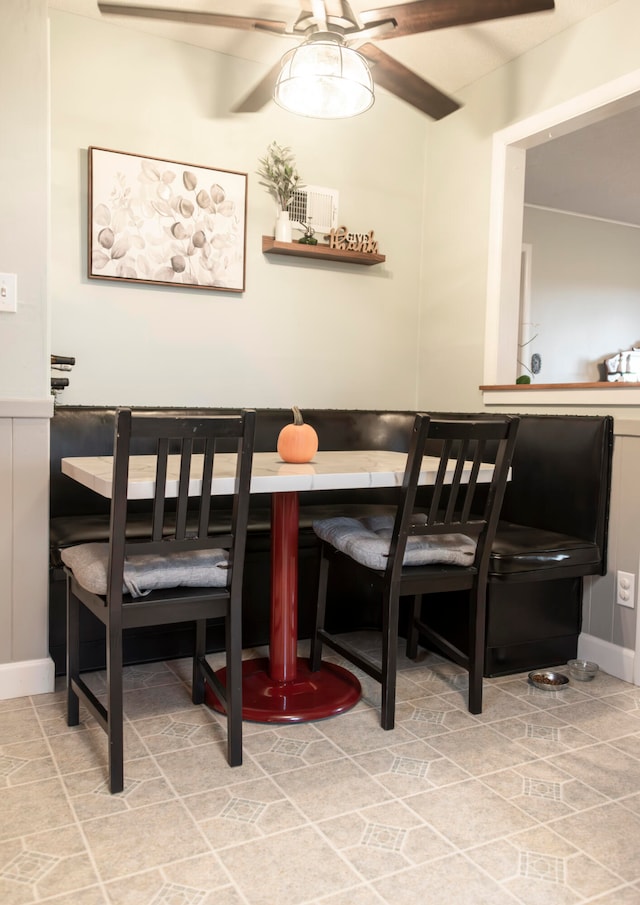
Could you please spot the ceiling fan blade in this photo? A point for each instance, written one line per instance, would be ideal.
(194, 18)
(428, 15)
(261, 94)
(405, 84)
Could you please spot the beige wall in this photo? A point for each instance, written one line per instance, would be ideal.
(617, 623)
(303, 332)
(458, 198)
(24, 190)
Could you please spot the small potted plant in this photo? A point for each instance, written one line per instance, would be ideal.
(309, 237)
(281, 178)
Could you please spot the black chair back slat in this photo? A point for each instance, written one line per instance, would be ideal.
(436, 499)
(207, 477)
(454, 489)
(158, 511)
(469, 489)
(182, 501)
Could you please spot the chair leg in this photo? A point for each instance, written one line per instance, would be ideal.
(73, 656)
(315, 655)
(477, 632)
(197, 682)
(390, 613)
(412, 633)
(233, 633)
(115, 714)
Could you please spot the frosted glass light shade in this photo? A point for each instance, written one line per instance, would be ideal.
(325, 79)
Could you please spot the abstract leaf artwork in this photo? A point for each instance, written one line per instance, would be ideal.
(164, 222)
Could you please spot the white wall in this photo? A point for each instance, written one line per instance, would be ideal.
(25, 401)
(585, 292)
(303, 332)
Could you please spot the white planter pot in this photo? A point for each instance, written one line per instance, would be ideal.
(283, 227)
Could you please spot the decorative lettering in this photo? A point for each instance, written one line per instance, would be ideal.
(341, 239)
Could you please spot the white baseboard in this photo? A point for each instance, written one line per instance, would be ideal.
(26, 677)
(617, 661)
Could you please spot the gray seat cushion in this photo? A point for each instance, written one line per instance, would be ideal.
(142, 574)
(367, 540)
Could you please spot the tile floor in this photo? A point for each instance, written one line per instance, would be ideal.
(536, 801)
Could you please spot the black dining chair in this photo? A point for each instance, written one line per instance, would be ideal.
(188, 569)
(444, 546)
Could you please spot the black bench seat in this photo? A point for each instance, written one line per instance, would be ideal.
(553, 532)
(523, 553)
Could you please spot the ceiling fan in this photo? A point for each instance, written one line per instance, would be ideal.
(333, 23)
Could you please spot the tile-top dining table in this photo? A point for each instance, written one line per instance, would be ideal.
(279, 688)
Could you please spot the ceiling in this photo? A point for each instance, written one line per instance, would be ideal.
(592, 171)
(450, 58)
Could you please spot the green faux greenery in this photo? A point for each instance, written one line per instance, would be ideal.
(279, 174)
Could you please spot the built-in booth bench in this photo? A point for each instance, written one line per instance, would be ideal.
(553, 532)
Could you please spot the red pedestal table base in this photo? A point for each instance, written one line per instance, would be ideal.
(281, 688)
(310, 696)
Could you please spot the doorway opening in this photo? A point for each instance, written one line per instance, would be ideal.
(503, 326)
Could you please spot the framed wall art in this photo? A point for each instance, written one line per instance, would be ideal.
(166, 223)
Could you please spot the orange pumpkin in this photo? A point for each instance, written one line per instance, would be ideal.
(297, 442)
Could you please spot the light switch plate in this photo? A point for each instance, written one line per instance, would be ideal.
(8, 292)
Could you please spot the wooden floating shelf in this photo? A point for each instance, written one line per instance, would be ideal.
(599, 385)
(322, 252)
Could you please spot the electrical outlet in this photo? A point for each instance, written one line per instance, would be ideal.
(625, 589)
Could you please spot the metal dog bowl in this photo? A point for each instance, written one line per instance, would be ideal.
(548, 680)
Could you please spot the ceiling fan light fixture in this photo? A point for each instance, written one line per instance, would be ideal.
(324, 79)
